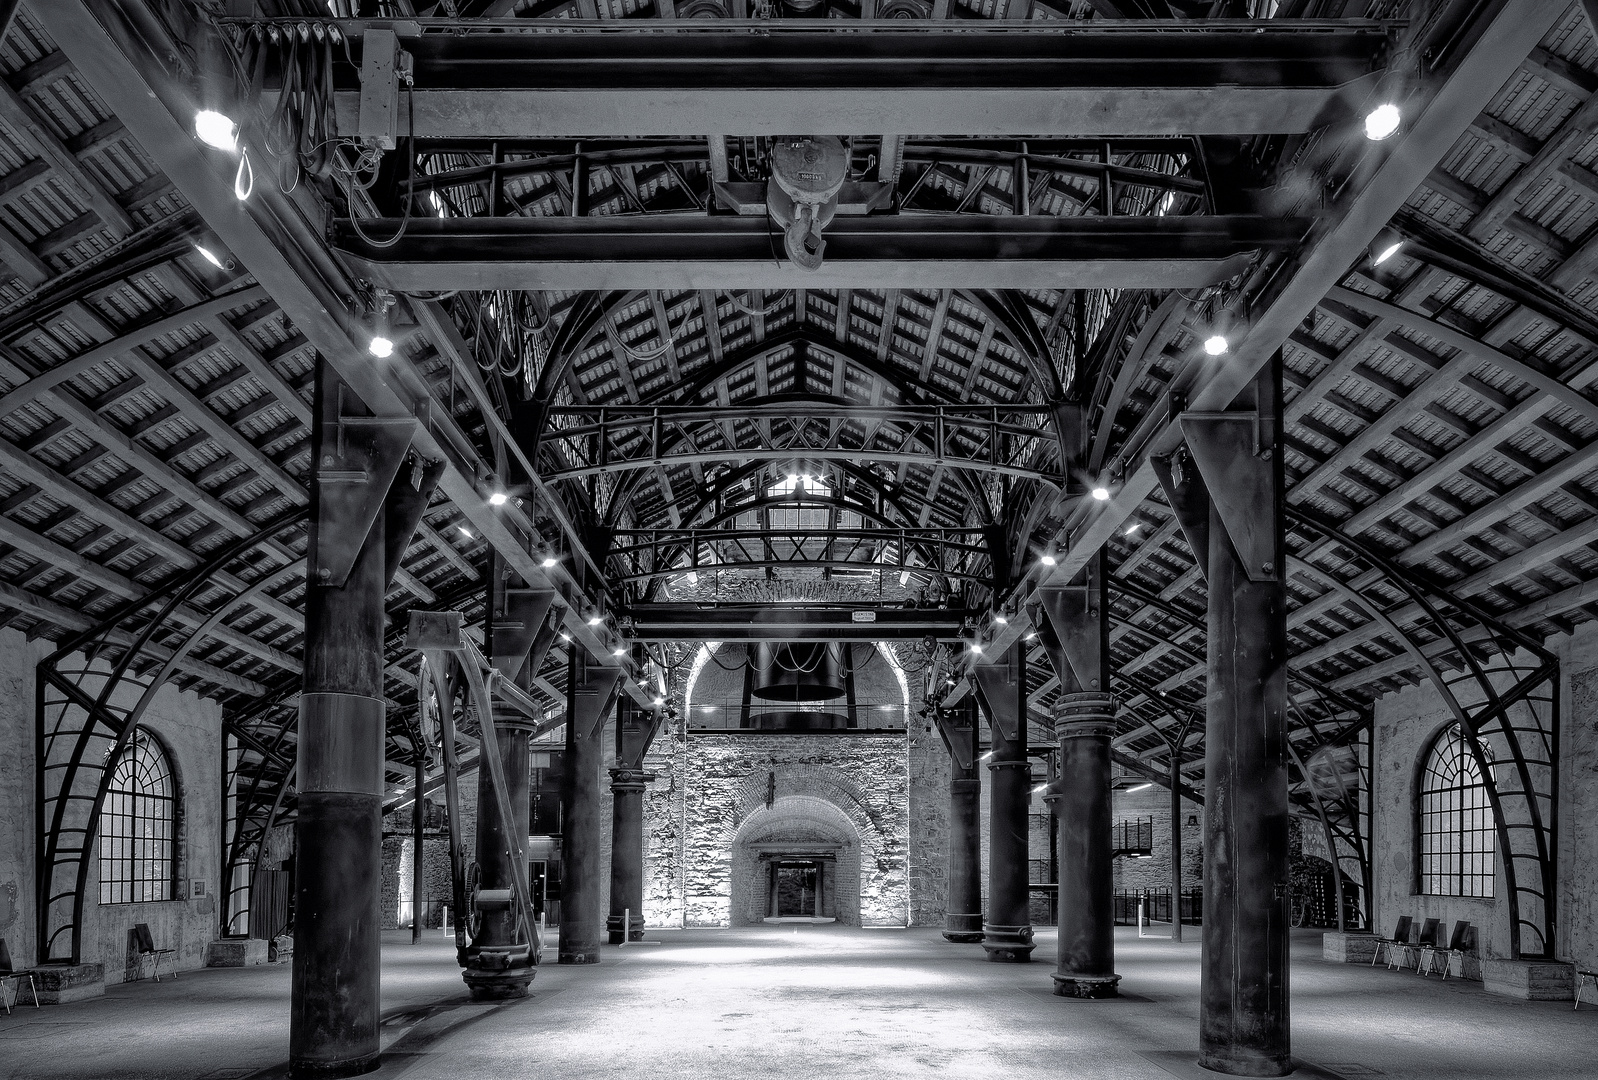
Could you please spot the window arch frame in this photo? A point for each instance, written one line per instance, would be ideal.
(140, 825)
(1456, 835)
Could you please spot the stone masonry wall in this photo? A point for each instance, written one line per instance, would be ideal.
(713, 783)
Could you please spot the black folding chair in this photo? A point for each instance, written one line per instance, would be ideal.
(1427, 946)
(11, 981)
(144, 944)
(1400, 937)
(1458, 942)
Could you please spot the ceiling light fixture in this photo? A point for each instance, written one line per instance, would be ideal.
(1101, 493)
(1386, 245)
(619, 651)
(216, 130)
(213, 258)
(498, 498)
(382, 343)
(465, 531)
(550, 562)
(1138, 787)
(1215, 345)
(1381, 122)
(1132, 528)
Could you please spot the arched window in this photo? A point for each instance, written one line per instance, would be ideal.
(1456, 821)
(137, 825)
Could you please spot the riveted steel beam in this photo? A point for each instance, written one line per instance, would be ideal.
(496, 80)
(909, 251)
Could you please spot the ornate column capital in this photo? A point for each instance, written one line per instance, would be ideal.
(624, 780)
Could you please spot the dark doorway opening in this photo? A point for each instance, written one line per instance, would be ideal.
(796, 886)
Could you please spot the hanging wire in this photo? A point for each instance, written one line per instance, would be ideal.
(776, 305)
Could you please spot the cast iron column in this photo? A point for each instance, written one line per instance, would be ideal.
(333, 1017)
(1076, 638)
(1007, 930)
(1243, 1007)
(590, 692)
(962, 921)
(1085, 951)
(1176, 842)
(634, 730)
(418, 823)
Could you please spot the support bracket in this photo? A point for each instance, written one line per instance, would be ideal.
(1189, 500)
(590, 699)
(957, 737)
(998, 686)
(517, 626)
(1075, 614)
(1235, 462)
(354, 477)
(403, 510)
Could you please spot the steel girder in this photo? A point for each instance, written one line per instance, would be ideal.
(518, 78)
(910, 251)
(645, 554)
(791, 622)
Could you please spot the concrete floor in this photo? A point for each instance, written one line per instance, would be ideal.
(799, 1003)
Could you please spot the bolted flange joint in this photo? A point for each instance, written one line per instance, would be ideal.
(1084, 716)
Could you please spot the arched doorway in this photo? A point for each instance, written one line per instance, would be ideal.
(799, 858)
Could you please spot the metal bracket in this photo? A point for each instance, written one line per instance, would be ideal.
(589, 701)
(380, 98)
(434, 631)
(403, 510)
(957, 737)
(998, 688)
(1075, 613)
(1190, 501)
(517, 626)
(354, 476)
(1240, 476)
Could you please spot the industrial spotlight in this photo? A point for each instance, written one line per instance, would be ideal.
(213, 258)
(216, 129)
(1381, 122)
(550, 562)
(498, 498)
(382, 344)
(1100, 493)
(1047, 559)
(1215, 345)
(1386, 245)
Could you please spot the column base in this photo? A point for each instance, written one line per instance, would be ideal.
(1086, 986)
(1246, 1064)
(963, 929)
(333, 1070)
(635, 931)
(498, 973)
(1008, 944)
(579, 954)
